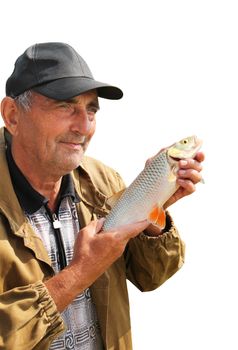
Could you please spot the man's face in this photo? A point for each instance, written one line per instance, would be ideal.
(55, 134)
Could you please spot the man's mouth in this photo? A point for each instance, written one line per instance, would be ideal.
(73, 145)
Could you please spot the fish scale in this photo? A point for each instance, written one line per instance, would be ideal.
(135, 202)
(152, 187)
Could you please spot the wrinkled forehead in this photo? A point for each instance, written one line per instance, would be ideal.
(87, 97)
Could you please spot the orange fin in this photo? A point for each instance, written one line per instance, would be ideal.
(111, 201)
(158, 217)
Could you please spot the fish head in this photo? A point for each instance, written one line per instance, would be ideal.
(185, 148)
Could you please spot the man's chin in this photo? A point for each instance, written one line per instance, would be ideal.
(71, 163)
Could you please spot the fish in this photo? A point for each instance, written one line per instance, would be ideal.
(145, 196)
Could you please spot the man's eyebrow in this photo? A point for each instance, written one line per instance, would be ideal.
(74, 100)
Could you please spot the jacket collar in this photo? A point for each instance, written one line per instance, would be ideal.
(9, 204)
(29, 199)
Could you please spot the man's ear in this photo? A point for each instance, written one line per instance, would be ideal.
(10, 114)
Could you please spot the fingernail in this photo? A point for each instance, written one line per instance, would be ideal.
(183, 162)
(182, 172)
(101, 220)
(181, 181)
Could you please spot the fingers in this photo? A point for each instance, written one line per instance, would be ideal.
(188, 187)
(190, 169)
(123, 233)
(189, 173)
(200, 157)
(99, 225)
(93, 227)
(190, 164)
(126, 232)
(104, 248)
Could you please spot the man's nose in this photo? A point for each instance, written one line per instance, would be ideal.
(83, 122)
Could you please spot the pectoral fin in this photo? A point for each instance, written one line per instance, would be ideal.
(158, 217)
(172, 174)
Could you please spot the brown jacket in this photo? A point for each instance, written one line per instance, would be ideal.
(28, 316)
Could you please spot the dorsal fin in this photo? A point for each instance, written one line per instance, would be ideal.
(111, 201)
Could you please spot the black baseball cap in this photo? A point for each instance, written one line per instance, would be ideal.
(57, 71)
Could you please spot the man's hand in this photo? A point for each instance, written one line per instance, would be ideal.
(189, 174)
(94, 252)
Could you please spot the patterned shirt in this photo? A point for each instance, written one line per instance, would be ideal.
(58, 232)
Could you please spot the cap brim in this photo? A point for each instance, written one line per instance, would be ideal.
(66, 88)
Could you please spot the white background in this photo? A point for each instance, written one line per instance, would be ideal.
(177, 63)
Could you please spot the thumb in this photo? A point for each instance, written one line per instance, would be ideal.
(99, 225)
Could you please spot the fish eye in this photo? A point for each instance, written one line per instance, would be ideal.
(185, 141)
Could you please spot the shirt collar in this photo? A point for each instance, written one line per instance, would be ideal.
(29, 199)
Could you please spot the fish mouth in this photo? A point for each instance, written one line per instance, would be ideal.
(176, 159)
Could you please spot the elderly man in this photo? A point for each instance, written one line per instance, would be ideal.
(62, 284)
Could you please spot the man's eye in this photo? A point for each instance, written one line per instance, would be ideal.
(93, 110)
(67, 107)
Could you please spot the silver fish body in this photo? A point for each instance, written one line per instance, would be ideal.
(151, 188)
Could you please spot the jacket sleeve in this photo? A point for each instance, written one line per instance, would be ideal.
(28, 316)
(150, 261)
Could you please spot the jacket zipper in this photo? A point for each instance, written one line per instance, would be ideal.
(58, 237)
